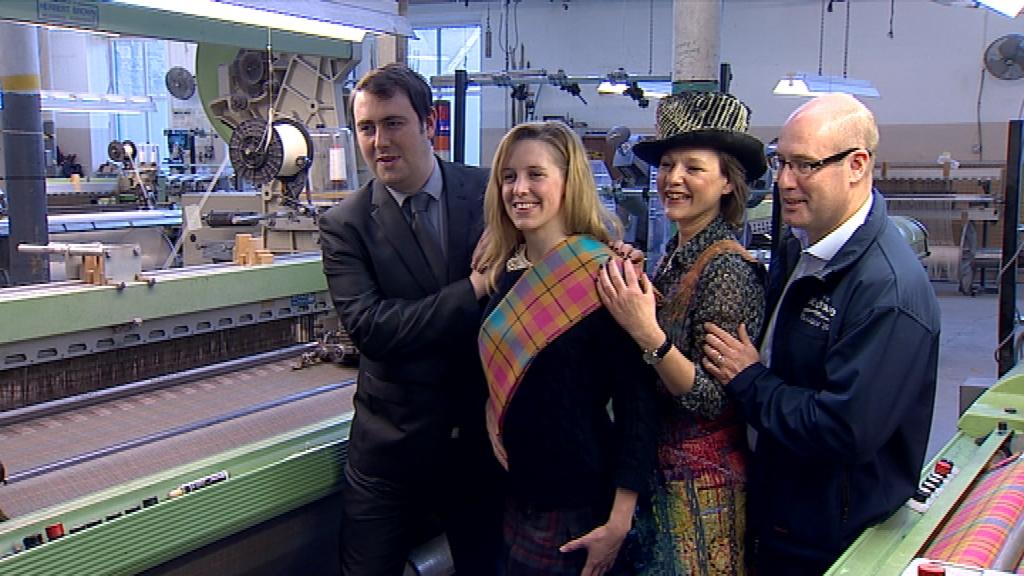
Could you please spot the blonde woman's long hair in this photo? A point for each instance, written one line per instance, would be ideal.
(581, 209)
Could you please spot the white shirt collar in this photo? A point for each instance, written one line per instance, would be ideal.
(829, 246)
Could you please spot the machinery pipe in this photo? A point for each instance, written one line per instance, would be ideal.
(25, 177)
(459, 130)
(1008, 262)
(223, 219)
(62, 248)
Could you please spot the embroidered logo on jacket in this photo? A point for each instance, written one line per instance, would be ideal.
(818, 312)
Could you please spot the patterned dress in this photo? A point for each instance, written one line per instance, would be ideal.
(695, 521)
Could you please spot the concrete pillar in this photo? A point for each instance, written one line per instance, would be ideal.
(392, 48)
(25, 179)
(696, 41)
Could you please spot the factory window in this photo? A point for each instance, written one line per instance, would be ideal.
(442, 51)
(139, 68)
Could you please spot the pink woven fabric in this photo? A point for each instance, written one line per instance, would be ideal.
(979, 528)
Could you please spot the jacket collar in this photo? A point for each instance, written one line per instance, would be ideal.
(858, 243)
(388, 215)
(462, 216)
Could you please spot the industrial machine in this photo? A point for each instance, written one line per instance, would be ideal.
(219, 391)
(968, 515)
(284, 118)
(154, 381)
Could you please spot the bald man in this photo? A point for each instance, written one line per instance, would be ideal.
(841, 392)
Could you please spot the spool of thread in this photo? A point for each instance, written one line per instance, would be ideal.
(293, 145)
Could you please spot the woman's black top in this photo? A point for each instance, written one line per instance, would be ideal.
(567, 446)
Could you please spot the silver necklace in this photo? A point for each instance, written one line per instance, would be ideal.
(667, 262)
(518, 261)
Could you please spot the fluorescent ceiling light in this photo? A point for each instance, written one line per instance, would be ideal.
(816, 85)
(652, 89)
(1009, 8)
(61, 101)
(607, 87)
(254, 17)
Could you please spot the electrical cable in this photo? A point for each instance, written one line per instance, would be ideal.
(650, 40)
(515, 15)
(265, 144)
(892, 16)
(846, 39)
(1010, 263)
(821, 36)
(981, 89)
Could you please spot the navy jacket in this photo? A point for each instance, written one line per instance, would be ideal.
(844, 413)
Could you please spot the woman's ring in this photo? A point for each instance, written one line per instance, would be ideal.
(720, 358)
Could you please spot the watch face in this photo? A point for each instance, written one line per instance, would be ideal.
(651, 358)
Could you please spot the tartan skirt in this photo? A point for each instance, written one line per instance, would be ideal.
(533, 537)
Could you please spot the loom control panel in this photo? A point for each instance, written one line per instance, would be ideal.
(931, 485)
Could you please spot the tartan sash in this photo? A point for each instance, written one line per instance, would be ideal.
(548, 299)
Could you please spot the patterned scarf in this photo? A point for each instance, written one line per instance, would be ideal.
(547, 300)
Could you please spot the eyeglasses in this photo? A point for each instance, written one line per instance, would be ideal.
(808, 167)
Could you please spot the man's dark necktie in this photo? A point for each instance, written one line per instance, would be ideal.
(415, 208)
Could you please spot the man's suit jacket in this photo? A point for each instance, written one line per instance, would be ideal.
(419, 372)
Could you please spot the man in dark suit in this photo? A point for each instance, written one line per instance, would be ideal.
(397, 259)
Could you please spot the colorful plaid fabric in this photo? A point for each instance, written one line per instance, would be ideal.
(549, 298)
(979, 528)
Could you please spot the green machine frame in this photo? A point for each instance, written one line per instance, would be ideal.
(267, 479)
(984, 429)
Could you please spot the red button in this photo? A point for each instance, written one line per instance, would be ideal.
(54, 531)
(943, 467)
(930, 570)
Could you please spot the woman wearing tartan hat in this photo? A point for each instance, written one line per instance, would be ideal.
(695, 521)
(553, 359)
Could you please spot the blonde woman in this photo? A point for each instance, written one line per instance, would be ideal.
(553, 359)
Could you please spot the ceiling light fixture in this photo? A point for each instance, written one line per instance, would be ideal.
(63, 101)
(651, 89)
(254, 17)
(804, 85)
(815, 85)
(1010, 8)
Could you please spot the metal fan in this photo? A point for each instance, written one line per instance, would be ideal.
(1004, 58)
(180, 83)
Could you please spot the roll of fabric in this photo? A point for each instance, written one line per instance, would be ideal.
(978, 530)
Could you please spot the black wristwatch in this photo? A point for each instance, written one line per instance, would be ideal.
(652, 357)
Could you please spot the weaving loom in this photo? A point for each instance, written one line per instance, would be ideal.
(960, 209)
(974, 525)
(118, 402)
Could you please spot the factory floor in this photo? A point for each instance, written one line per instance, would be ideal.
(966, 353)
